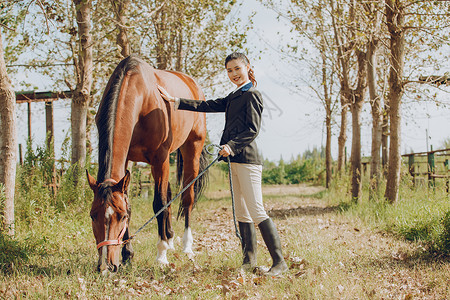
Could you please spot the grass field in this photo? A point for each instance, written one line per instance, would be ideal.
(334, 251)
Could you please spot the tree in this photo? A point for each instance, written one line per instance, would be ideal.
(374, 15)
(8, 144)
(353, 93)
(120, 9)
(422, 20)
(83, 66)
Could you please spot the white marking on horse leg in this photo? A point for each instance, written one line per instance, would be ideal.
(171, 245)
(162, 252)
(188, 241)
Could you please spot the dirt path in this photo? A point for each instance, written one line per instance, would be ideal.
(333, 255)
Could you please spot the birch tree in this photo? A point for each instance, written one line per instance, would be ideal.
(374, 16)
(8, 144)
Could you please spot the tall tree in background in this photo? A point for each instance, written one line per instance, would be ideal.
(374, 20)
(121, 10)
(423, 27)
(82, 93)
(8, 144)
(395, 21)
(346, 26)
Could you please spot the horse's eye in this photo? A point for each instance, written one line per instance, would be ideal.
(123, 217)
(93, 217)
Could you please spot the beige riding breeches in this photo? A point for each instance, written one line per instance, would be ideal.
(247, 193)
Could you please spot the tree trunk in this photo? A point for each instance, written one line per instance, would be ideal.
(375, 103)
(120, 10)
(328, 158)
(358, 96)
(355, 108)
(342, 139)
(395, 19)
(8, 144)
(385, 138)
(162, 38)
(327, 103)
(84, 82)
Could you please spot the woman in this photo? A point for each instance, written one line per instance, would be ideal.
(243, 109)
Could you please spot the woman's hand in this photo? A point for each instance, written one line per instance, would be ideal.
(225, 151)
(165, 95)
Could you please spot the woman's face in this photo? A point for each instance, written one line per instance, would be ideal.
(237, 71)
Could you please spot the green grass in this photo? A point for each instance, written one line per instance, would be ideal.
(418, 214)
(372, 250)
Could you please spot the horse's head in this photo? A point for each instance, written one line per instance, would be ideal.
(109, 214)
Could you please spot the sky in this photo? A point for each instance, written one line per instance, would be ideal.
(292, 122)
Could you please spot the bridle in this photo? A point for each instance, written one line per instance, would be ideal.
(119, 240)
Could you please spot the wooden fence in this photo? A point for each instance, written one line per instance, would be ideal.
(432, 165)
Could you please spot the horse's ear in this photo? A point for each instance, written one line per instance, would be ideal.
(92, 182)
(123, 183)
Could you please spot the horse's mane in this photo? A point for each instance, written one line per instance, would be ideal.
(106, 115)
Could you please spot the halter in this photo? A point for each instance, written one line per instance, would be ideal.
(119, 240)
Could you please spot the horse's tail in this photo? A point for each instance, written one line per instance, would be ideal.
(200, 184)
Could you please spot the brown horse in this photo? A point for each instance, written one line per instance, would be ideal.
(135, 124)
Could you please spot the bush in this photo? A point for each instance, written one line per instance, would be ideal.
(44, 188)
(306, 168)
(11, 253)
(444, 240)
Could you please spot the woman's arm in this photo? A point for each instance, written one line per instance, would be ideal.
(218, 105)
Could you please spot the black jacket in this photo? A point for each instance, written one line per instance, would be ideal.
(243, 109)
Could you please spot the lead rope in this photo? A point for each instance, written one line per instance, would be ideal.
(231, 189)
(187, 186)
(232, 200)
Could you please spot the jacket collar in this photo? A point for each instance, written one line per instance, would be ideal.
(245, 87)
(242, 89)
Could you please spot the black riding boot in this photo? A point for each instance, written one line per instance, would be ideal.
(248, 234)
(270, 235)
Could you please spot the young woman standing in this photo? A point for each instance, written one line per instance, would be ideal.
(243, 109)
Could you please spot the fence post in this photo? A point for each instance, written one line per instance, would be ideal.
(431, 169)
(411, 168)
(447, 166)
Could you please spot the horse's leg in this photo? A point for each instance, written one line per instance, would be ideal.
(191, 153)
(161, 177)
(127, 249)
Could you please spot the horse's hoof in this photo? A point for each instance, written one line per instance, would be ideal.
(162, 261)
(190, 254)
(171, 244)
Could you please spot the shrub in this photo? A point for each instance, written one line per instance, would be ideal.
(297, 171)
(44, 188)
(11, 253)
(445, 235)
